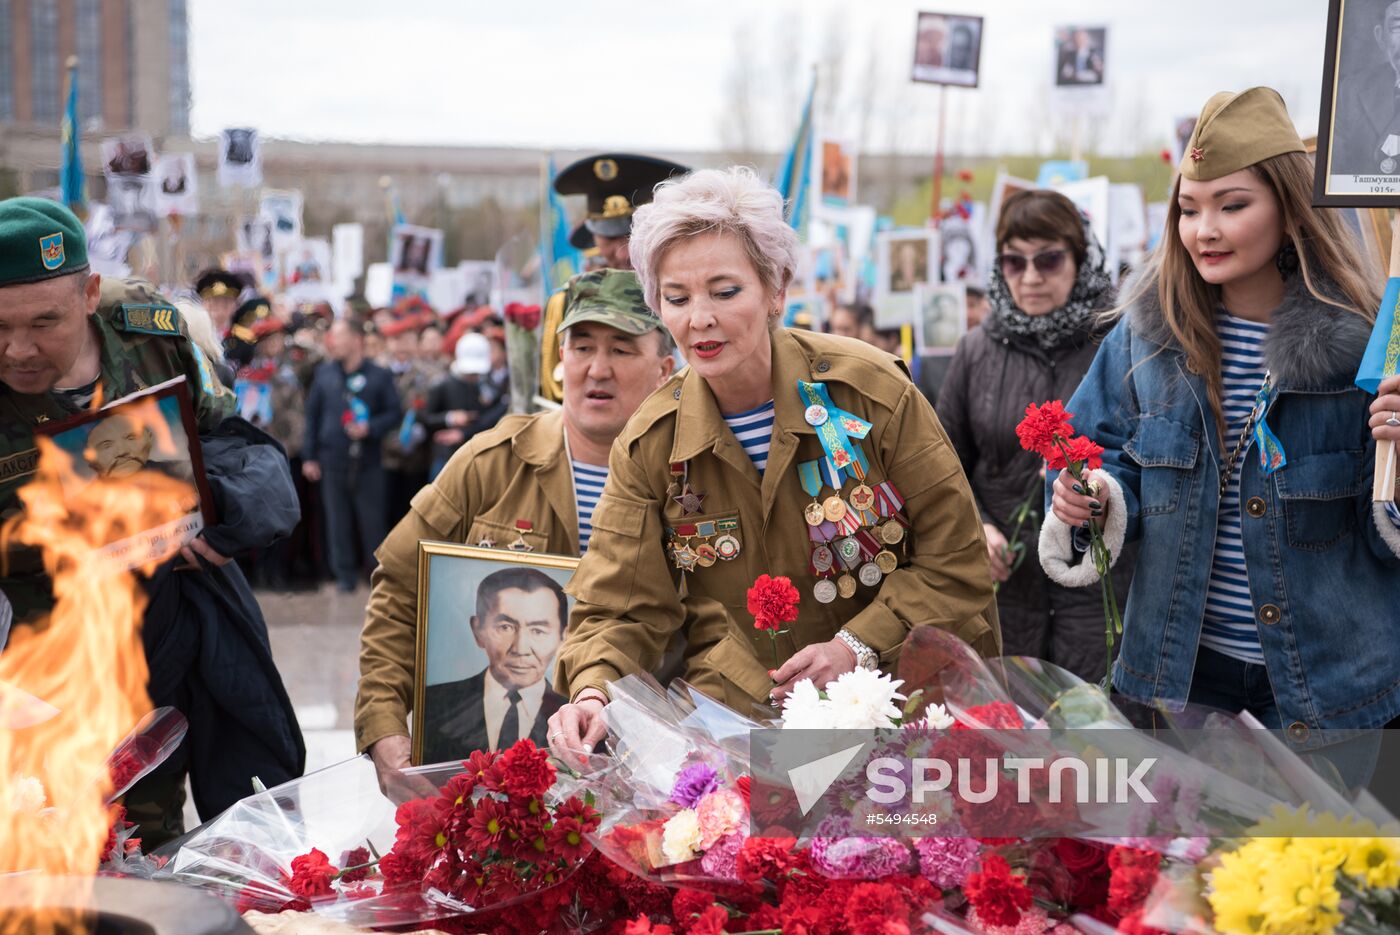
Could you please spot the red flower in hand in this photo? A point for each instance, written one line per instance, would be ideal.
(998, 895)
(1042, 424)
(1081, 451)
(311, 875)
(773, 602)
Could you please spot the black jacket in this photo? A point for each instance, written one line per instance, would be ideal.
(326, 404)
(206, 640)
(485, 397)
(454, 720)
(992, 378)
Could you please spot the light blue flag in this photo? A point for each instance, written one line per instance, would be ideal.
(794, 180)
(71, 174)
(1382, 357)
(561, 258)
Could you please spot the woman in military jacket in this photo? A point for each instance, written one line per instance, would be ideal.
(775, 452)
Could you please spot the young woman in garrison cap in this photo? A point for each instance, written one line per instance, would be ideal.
(1239, 452)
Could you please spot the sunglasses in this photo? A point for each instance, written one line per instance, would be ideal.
(1046, 262)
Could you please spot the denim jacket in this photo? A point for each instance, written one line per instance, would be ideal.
(1323, 561)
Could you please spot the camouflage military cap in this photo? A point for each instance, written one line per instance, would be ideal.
(39, 239)
(611, 297)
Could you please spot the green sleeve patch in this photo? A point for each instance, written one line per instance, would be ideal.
(150, 319)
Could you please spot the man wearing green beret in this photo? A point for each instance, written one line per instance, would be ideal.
(69, 340)
(529, 485)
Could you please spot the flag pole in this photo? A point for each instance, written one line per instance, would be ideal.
(936, 208)
(1383, 488)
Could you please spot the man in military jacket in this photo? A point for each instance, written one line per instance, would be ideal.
(68, 341)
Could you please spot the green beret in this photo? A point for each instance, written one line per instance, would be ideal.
(39, 239)
(1235, 131)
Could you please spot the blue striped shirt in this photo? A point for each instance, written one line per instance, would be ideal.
(754, 429)
(588, 487)
(1229, 625)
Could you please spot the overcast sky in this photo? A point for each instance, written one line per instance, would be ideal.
(661, 75)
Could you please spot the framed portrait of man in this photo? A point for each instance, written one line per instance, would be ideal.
(1358, 136)
(1080, 56)
(490, 623)
(947, 49)
(141, 440)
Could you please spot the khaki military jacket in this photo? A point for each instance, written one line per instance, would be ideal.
(629, 593)
(143, 342)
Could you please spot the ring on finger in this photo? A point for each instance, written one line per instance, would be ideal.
(1394, 420)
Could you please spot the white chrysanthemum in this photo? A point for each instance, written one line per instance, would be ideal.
(680, 837)
(936, 717)
(27, 796)
(805, 709)
(863, 699)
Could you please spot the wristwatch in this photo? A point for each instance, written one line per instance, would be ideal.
(866, 658)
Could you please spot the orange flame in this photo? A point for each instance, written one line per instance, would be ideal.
(85, 659)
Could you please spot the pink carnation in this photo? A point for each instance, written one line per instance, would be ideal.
(721, 813)
(722, 860)
(946, 862)
(859, 858)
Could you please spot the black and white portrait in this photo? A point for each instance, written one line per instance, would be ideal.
(491, 622)
(1358, 153)
(947, 49)
(1080, 56)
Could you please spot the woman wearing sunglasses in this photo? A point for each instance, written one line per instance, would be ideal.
(1239, 452)
(1048, 292)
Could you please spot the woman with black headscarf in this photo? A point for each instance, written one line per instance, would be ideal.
(1048, 290)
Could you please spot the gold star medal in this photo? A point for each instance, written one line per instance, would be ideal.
(522, 526)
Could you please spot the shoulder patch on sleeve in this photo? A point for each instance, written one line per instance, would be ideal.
(207, 379)
(149, 319)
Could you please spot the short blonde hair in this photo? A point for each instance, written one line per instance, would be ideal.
(732, 201)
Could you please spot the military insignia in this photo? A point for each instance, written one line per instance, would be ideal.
(705, 555)
(886, 561)
(616, 206)
(51, 251)
(824, 591)
(727, 547)
(862, 498)
(846, 586)
(522, 526)
(690, 501)
(1197, 154)
(486, 543)
(1388, 165)
(151, 319)
(870, 574)
(814, 514)
(19, 465)
(815, 415)
(605, 169)
(892, 532)
(834, 509)
(822, 559)
(685, 558)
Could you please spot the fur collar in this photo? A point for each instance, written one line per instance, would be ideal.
(1310, 344)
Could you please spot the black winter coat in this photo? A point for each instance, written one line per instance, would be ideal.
(993, 377)
(206, 640)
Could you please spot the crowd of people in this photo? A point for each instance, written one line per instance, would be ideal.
(699, 445)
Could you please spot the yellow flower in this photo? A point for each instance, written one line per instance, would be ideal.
(1374, 861)
(1234, 892)
(1299, 894)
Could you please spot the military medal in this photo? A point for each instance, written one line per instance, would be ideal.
(486, 543)
(1390, 149)
(727, 547)
(849, 551)
(705, 555)
(892, 532)
(810, 473)
(816, 414)
(522, 526)
(823, 559)
(886, 561)
(861, 498)
(824, 591)
(870, 574)
(846, 585)
(690, 501)
(685, 558)
(677, 472)
(834, 508)
(1388, 165)
(814, 514)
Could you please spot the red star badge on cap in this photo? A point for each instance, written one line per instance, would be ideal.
(1197, 154)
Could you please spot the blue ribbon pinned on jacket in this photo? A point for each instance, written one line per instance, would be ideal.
(839, 433)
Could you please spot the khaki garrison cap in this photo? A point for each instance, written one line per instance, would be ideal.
(1238, 130)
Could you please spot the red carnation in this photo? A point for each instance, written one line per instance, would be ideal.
(871, 906)
(526, 770)
(1167, 156)
(642, 926)
(356, 865)
(965, 175)
(523, 316)
(763, 859)
(688, 905)
(710, 922)
(773, 602)
(311, 875)
(998, 895)
(1042, 425)
(1081, 451)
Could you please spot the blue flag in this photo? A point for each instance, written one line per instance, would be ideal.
(1382, 357)
(561, 258)
(70, 176)
(794, 180)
